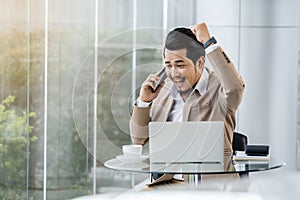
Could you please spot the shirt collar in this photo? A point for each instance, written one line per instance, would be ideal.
(201, 85)
(203, 82)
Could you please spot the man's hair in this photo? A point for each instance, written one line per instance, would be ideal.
(184, 38)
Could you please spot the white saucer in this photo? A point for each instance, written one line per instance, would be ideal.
(127, 159)
(132, 165)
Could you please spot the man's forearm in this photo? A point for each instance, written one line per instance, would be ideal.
(231, 81)
(225, 69)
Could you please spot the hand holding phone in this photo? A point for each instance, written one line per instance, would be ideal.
(151, 86)
(162, 76)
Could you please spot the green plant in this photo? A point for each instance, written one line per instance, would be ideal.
(15, 137)
(22, 74)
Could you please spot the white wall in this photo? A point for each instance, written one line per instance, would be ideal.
(268, 61)
(261, 37)
(298, 130)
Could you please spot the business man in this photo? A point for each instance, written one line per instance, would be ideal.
(194, 93)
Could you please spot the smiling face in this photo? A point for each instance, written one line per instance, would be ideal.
(181, 70)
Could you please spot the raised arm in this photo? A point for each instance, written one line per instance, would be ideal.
(231, 81)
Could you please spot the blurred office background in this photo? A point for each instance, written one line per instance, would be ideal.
(70, 70)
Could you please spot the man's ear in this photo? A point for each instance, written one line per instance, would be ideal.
(200, 63)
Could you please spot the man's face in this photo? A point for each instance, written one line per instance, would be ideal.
(181, 70)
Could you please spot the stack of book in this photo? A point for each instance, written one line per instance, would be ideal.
(253, 152)
(242, 156)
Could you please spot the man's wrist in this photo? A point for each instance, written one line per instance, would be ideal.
(143, 104)
(209, 42)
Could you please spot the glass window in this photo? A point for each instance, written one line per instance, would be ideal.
(70, 72)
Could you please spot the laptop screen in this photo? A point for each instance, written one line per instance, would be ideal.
(192, 141)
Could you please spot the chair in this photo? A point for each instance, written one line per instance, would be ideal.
(239, 143)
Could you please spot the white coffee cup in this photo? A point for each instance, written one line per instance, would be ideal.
(132, 150)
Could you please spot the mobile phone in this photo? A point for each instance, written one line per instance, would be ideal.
(162, 76)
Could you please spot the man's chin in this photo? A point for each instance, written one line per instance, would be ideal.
(182, 87)
(184, 90)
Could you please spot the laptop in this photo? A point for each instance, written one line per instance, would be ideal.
(192, 141)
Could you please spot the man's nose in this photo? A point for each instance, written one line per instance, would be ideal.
(174, 71)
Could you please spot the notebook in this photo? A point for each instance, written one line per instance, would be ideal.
(192, 141)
